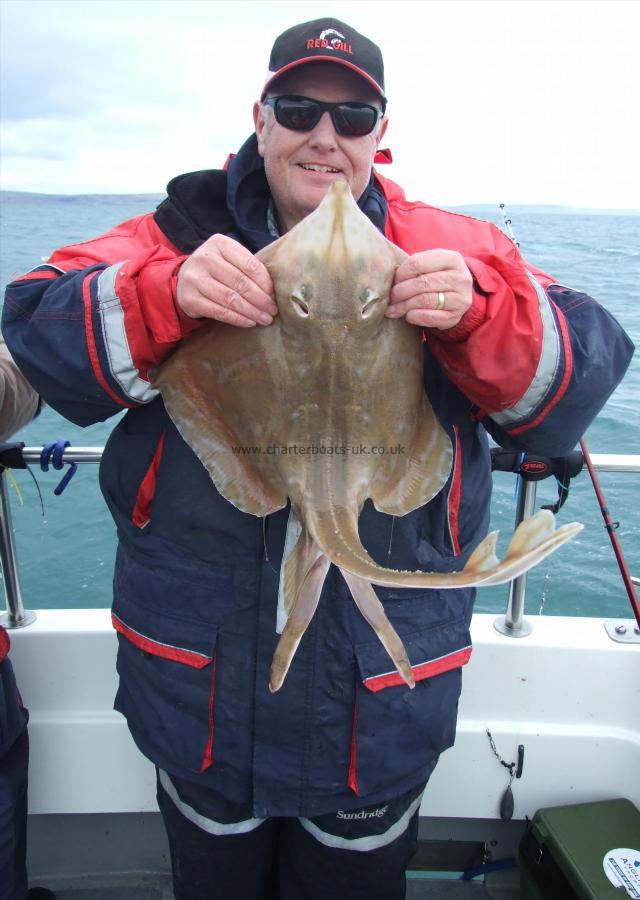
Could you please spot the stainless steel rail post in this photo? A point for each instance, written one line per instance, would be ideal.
(513, 622)
(16, 616)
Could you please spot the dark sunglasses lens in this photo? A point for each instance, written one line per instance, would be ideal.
(299, 115)
(354, 120)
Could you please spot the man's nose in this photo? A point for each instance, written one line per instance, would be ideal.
(324, 134)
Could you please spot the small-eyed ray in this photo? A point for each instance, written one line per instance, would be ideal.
(293, 411)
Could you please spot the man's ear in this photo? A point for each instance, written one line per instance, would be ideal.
(259, 124)
(383, 128)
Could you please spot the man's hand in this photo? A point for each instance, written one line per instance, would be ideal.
(419, 280)
(222, 280)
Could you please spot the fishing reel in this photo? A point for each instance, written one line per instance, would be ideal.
(533, 467)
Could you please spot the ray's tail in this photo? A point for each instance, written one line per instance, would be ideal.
(336, 533)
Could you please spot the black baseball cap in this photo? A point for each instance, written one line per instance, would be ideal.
(326, 40)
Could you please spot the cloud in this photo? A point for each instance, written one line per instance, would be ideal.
(72, 58)
(514, 102)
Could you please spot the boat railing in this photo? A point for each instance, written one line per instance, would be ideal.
(512, 623)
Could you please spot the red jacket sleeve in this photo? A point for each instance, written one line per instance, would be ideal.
(113, 299)
(538, 360)
(142, 273)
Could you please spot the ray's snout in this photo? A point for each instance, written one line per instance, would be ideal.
(339, 225)
(340, 208)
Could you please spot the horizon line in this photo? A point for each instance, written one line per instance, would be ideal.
(474, 204)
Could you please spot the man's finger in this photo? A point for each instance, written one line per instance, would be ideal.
(426, 303)
(251, 267)
(425, 286)
(432, 318)
(239, 314)
(428, 261)
(221, 282)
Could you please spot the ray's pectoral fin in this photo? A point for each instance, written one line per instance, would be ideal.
(207, 420)
(411, 479)
(372, 609)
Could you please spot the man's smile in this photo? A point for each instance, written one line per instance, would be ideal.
(317, 167)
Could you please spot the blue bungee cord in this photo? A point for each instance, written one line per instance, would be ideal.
(53, 453)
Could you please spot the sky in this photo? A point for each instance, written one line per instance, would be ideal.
(491, 101)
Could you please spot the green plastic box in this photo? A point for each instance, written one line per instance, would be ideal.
(588, 851)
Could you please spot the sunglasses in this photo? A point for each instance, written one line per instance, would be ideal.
(303, 114)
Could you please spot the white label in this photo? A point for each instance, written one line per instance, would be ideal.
(622, 868)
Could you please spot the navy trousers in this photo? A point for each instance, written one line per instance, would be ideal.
(220, 852)
(13, 819)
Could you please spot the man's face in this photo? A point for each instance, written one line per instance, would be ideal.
(288, 155)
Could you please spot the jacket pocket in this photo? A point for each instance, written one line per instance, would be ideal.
(398, 732)
(141, 513)
(454, 494)
(167, 671)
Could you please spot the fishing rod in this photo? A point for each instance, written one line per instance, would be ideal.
(610, 525)
(507, 223)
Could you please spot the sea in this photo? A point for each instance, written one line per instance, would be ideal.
(66, 544)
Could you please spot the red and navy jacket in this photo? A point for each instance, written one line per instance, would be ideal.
(196, 580)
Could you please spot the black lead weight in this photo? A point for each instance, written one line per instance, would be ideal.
(506, 805)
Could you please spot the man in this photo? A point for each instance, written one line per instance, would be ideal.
(313, 791)
(19, 403)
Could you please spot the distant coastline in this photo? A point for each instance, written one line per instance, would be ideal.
(482, 210)
(548, 209)
(38, 195)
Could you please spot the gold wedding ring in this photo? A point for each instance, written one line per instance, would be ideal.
(441, 299)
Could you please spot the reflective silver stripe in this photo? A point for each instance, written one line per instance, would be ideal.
(371, 841)
(293, 533)
(547, 364)
(146, 637)
(209, 825)
(427, 662)
(116, 342)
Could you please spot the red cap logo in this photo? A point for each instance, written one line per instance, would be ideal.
(330, 39)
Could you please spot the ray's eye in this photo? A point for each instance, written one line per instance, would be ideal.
(299, 301)
(370, 300)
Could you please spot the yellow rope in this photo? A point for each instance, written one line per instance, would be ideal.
(14, 483)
